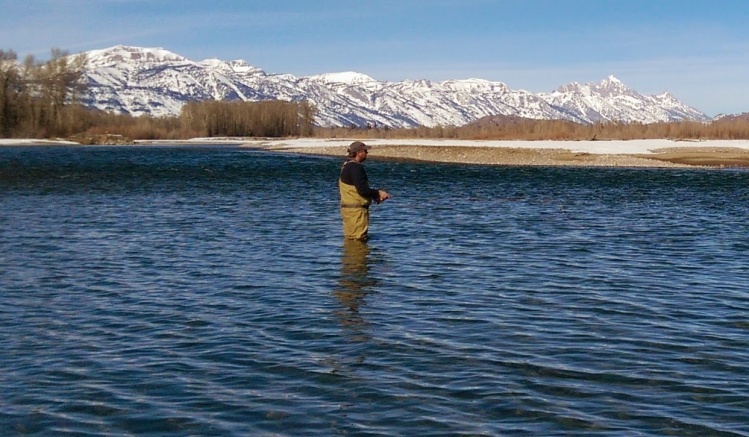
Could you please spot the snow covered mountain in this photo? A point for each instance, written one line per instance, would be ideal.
(612, 100)
(157, 82)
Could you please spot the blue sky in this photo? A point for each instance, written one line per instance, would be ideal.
(697, 50)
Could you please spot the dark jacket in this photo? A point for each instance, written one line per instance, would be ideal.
(352, 173)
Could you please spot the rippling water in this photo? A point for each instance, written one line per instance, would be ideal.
(207, 291)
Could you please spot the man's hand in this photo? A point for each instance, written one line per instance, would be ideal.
(383, 196)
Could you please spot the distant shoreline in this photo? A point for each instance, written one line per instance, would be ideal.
(614, 153)
(674, 157)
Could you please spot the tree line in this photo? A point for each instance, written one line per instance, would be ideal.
(729, 128)
(35, 96)
(201, 119)
(248, 119)
(43, 100)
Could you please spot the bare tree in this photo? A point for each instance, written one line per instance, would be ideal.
(10, 90)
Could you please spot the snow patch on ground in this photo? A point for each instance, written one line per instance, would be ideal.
(613, 147)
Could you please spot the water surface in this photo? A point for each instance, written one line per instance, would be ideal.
(207, 291)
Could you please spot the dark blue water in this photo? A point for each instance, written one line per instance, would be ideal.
(207, 291)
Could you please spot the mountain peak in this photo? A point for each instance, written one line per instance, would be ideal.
(611, 83)
(570, 87)
(121, 53)
(343, 77)
(237, 66)
(157, 82)
(613, 79)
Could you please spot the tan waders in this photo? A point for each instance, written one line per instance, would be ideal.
(354, 212)
(355, 223)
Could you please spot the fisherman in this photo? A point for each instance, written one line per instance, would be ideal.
(356, 195)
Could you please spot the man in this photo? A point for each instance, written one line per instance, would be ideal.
(356, 195)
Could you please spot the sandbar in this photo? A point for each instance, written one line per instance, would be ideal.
(613, 153)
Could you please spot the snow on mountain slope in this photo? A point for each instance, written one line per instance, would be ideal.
(611, 100)
(157, 82)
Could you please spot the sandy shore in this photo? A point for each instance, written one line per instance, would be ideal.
(636, 153)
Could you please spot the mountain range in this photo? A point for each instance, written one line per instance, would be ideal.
(156, 82)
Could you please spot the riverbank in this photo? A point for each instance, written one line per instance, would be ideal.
(614, 153)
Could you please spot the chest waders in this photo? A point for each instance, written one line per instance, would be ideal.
(354, 212)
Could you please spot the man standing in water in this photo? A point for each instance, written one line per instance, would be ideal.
(356, 195)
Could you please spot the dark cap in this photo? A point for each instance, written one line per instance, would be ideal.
(357, 146)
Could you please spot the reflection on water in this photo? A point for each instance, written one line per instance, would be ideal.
(354, 285)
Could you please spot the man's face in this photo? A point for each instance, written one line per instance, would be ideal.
(362, 155)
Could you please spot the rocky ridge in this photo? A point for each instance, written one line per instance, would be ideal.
(157, 82)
